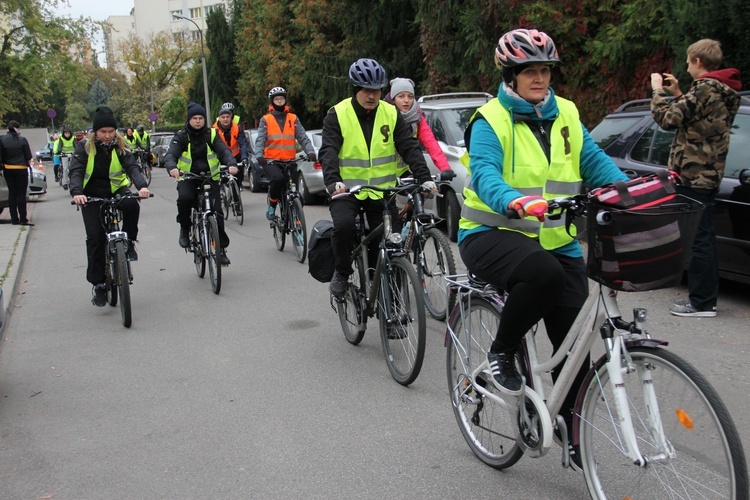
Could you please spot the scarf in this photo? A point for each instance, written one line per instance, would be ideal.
(412, 116)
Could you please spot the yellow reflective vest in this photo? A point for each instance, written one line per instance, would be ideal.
(117, 177)
(185, 162)
(66, 146)
(527, 170)
(360, 165)
(141, 140)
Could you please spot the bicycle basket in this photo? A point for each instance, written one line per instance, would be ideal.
(641, 249)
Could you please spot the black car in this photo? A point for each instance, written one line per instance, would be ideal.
(639, 146)
(255, 176)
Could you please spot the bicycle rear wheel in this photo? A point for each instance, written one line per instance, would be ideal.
(214, 253)
(402, 321)
(487, 427)
(123, 283)
(226, 199)
(109, 279)
(299, 229)
(237, 209)
(433, 259)
(351, 308)
(147, 173)
(704, 456)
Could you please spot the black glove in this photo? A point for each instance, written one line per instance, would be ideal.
(312, 157)
(262, 161)
(447, 175)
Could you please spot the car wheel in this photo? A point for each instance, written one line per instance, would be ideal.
(452, 215)
(307, 198)
(252, 179)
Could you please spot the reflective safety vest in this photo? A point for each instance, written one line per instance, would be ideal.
(117, 177)
(527, 170)
(358, 165)
(68, 146)
(185, 162)
(130, 142)
(141, 140)
(280, 145)
(234, 133)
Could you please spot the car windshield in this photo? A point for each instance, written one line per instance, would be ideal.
(610, 129)
(739, 146)
(449, 125)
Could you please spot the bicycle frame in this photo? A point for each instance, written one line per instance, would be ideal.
(600, 308)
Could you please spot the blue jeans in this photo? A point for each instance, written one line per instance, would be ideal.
(703, 264)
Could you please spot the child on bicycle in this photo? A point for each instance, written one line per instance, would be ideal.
(525, 147)
(100, 167)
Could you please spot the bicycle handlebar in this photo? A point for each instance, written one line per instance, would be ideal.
(115, 199)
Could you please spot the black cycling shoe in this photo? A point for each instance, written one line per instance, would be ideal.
(339, 284)
(99, 293)
(503, 367)
(132, 253)
(223, 259)
(184, 237)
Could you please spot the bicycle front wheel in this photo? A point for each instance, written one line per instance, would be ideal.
(699, 453)
(433, 260)
(123, 283)
(213, 248)
(109, 277)
(147, 174)
(402, 321)
(299, 230)
(351, 309)
(279, 226)
(196, 246)
(487, 427)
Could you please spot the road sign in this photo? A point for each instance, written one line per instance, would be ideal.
(51, 113)
(153, 116)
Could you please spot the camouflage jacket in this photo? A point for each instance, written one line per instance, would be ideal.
(702, 118)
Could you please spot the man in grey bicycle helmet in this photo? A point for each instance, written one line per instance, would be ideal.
(278, 133)
(361, 136)
(232, 132)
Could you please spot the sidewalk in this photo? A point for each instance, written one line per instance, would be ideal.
(12, 252)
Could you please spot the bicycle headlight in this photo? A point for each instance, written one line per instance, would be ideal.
(395, 238)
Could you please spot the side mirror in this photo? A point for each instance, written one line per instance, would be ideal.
(745, 177)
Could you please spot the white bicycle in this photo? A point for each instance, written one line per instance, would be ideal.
(646, 423)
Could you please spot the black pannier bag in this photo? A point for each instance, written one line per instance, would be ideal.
(639, 239)
(320, 260)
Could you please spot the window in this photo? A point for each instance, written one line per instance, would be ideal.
(175, 12)
(195, 13)
(195, 35)
(610, 129)
(211, 8)
(653, 147)
(739, 147)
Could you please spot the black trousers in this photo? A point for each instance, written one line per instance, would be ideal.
(276, 178)
(18, 182)
(344, 212)
(96, 240)
(542, 286)
(188, 191)
(703, 263)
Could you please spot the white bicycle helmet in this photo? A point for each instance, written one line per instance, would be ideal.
(276, 91)
(227, 106)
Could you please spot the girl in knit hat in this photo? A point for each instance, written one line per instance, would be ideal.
(402, 96)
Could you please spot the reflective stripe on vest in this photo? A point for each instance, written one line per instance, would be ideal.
(527, 170)
(280, 145)
(67, 146)
(185, 162)
(117, 177)
(360, 165)
(234, 132)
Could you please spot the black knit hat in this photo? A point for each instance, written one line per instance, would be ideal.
(103, 117)
(194, 109)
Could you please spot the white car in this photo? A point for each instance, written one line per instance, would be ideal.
(448, 116)
(310, 182)
(37, 186)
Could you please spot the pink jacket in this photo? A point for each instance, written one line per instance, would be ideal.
(427, 138)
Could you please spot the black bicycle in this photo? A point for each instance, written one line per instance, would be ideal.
(143, 158)
(290, 218)
(231, 198)
(63, 177)
(390, 289)
(431, 254)
(204, 232)
(117, 274)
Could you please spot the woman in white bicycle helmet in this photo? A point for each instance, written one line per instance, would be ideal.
(525, 147)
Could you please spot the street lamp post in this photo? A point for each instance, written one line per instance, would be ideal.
(203, 62)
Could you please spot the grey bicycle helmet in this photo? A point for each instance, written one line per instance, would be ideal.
(367, 73)
(276, 91)
(525, 46)
(227, 106)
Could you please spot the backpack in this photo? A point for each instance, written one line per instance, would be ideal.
(320, 259)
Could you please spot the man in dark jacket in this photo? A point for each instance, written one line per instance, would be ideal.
(703, 120)
(198, 149)
(361, 136)
(15, 155)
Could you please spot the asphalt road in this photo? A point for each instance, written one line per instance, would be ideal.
(254, 392)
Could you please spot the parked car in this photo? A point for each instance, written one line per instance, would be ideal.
(448, 116)
(160, 145)
(310, 182)
(37, 186)
(255, 176)
(45, 154)
(639, 146)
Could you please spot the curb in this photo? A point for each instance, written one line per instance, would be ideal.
(10, 285)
